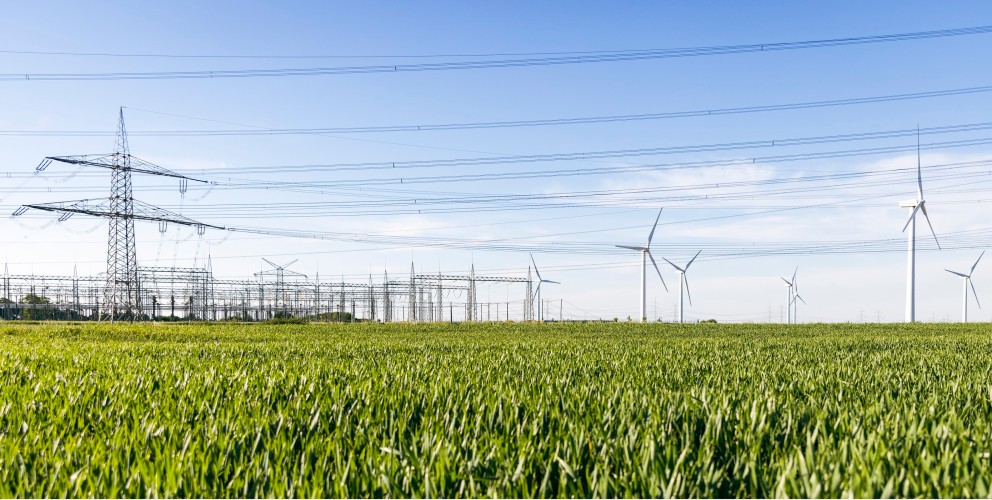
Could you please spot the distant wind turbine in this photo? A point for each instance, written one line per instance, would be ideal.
(683, 282)
(796, 298)
(645, 255)
(967, 283)
(789, 300)
(918, 205)
(540, 280)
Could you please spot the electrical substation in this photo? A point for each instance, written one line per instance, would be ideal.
(130, 292)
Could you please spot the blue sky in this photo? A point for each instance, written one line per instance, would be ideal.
(597, 282)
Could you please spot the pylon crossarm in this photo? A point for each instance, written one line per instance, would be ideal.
(100, 208)
(107, 161)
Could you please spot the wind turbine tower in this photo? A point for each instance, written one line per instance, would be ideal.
(683, 284)
(918, 205)
(645, 255)
(967, 283)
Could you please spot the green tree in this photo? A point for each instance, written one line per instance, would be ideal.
(35, 299)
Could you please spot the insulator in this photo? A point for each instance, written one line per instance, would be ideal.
(43, 165)
(201, 229)
(65, 216)
(183, 185)
(162, 226)
(20, 210)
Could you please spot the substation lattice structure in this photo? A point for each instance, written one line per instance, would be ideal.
(195, 294)
(127, 291)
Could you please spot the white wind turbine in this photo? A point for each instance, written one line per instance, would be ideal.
(683, 282)
(645, 255)
(795, 298)
(540, 308)
(918, 205)
(788, 303)
(967, 282)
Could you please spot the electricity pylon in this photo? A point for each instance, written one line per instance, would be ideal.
(122, 292)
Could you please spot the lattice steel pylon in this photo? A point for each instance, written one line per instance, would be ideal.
(280, 273)
(122, 293)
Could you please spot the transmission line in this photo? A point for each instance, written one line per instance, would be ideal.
(634, 55)
(256, 131)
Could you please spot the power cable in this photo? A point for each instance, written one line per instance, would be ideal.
(617, 56)
(257, 131)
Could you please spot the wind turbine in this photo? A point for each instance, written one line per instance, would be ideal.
(918, 205)
(788, 303)
(645, 255)
(683, 281)
(967, 282)
(795, 298)
(540, 308)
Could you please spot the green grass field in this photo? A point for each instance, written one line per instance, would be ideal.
(495, 410)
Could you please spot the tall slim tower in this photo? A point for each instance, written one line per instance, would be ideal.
(529, 300)
(470, 303)
(122, 290)
(412, 302)
(122, 293)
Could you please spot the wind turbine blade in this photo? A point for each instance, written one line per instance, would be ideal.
(976, 263)
(537, 290)
(786, 281)
(290, 263)
(687, 293)
(794, 274)
(800, 298)
(673, 265)
(957, 273)
(915, 209)
(273, 264)
(923, 207)
(974, 292)
(639, 249)
(550, 281)
(693, 259)
(535, 269)
(655, 264)
(655, 226)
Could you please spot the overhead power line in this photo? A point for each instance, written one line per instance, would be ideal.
(618, 153)
(221, 176)
(599, 57)
(509, 123)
